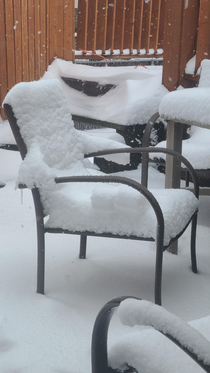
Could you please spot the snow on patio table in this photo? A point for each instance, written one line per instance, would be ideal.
(135, 98)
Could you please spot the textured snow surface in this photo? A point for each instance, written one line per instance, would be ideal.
(135, 98)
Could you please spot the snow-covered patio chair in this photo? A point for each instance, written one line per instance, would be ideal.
(190, 107)
(145, 350)
(73, 196)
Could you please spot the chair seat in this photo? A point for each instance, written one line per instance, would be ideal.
(117, 209)
(195, 149)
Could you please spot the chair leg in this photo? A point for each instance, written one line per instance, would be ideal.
(83, 245)
(193, 243)
(159, 265)
(40, 257)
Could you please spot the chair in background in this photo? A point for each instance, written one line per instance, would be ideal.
(74, 196)
(189, 107)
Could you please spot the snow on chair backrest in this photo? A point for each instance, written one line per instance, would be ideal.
(45, 125)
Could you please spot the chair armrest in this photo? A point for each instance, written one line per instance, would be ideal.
(145, 162)
(199, 353)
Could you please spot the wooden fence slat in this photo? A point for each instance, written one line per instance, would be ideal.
(31, 40)
(48, 31)
(203, 41)
(119, 25)
(24, 15)
(129, 24)
(37, 31)
(3, 59)
(102, 25)
(155, 24)
(92, 25)
(10, 43)
(172, 40)
(43, 37)
(138, 24)
(18, 41)
(147, 15)
(111, 25)
(82, 24)
(56, 29)
(189, 35)
(162, 24)
(69, 29)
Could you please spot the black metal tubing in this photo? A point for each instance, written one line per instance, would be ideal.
(98, 122)
(12, 147)
(145, 144)
(99, 354)
(15, 129)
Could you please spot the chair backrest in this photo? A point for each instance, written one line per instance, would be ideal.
(44, 131)
(44, 121)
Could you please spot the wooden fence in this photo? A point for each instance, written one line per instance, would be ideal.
(187, 30)
(131, 27)
(32, 34)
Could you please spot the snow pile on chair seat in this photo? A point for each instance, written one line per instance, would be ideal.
(195, 149)
(145, 349)
(118, 210)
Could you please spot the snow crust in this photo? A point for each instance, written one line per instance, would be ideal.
(135, 98)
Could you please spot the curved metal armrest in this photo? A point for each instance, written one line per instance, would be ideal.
(146, 151)
(100, 335)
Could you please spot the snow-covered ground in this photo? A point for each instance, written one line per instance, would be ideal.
(52, 333)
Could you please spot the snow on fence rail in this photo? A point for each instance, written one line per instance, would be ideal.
(126, 26)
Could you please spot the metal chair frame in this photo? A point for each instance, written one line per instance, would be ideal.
(41, 229)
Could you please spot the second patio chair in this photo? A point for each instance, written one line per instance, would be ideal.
(74, 197)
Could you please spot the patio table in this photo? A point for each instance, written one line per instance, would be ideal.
(187, 106)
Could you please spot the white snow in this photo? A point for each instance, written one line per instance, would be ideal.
(52, 333)
(135, 98)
